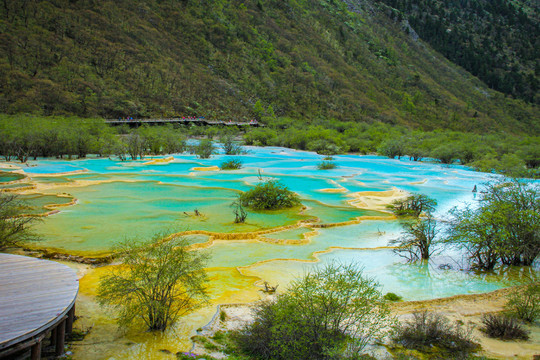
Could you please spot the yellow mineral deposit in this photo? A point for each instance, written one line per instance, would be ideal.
(160, 161)
(107, 340)
(205, 168)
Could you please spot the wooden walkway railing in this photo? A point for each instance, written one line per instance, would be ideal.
(185, 121)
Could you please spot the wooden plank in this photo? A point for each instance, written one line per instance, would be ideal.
(35, 295)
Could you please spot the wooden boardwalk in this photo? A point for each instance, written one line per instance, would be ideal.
(36, 297)
(183, 121)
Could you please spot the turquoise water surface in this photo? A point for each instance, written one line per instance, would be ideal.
(135, 199)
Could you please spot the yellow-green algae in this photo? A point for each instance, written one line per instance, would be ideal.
(107, 341)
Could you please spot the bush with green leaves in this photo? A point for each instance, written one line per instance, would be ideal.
(427, 330)
(330, 313)
(504, 327)
(157, 282)
(413, 205)
(231, 164)
(503, 229)
(14, 227)
(204, 149)
(390, 296)
(326, 165)
(230, 147)
(525, 304)
(269, 195)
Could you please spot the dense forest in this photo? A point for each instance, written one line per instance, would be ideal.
(307, 60)
(496, 40)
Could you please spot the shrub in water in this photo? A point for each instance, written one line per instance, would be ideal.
(270, 195)
(504, 327)
(326, 165)
(392, 297)
(231, 165)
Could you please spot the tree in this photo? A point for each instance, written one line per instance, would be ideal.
(269, 195)
(157, 282)
(418, 240)
(446, 153)
(135, 145)
(503, 229)
(230, 147)
(239, 212)
(14, 226)
(392, 148)
(330, 313)
(413, 205)
(204, 149)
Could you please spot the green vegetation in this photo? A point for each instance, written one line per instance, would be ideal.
(503, 327)
(495, 40)
(204, 149)
(157, 282)
(27, 137)
(428, 332)
(269, 195)
(503, 229)
(525, 304)
(331, 313)
(230, 147)
(413, 205)
(513, 155)
(231, 164)
(14, 228)
(420, 234)
(418, 239)
(310, 60)
(240, 214)
(392, 297)
(326, 165)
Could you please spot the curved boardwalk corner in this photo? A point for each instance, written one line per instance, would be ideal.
(37, 298)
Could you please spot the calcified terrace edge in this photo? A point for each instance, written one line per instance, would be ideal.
(367, 200)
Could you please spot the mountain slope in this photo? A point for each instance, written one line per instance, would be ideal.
(305, 59)
(496, 40)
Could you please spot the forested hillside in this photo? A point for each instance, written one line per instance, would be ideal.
(309, 60)
(496, 40)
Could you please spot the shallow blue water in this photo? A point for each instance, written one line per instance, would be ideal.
(138, 199)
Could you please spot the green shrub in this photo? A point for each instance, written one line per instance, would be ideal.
(204, 149)
(525, 305)
(269, 195)
(222, 315)
(332, 313)
(392, 297)
(504, 327)
(413, 205)
(219, 335)
(326, 165)
(428, 330)
(231, 164)
(230, 147)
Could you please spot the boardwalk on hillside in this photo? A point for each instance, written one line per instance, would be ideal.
(35, 297)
